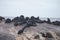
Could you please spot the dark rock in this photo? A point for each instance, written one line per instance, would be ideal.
(48, 35)
(43, 35)
(8, 20)
(36, 37)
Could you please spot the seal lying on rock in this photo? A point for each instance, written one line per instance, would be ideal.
(8, 20)
(28, 24)
(21, 31)
(2, 18)
(48, 21)
(56, 23)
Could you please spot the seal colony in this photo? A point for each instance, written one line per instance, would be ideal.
(28, 22)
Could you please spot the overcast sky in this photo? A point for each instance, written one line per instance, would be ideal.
(42, 8)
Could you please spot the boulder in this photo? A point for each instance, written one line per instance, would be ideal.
(43, 34)
(48, 35)
(36, 37)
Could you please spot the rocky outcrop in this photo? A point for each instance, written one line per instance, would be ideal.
(30, 35)
(36, 30)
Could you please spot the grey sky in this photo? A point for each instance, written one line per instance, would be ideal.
(42, 8)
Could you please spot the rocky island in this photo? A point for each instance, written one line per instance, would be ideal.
(29, 28)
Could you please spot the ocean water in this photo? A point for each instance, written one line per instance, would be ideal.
(9, 17)
(52, 19)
